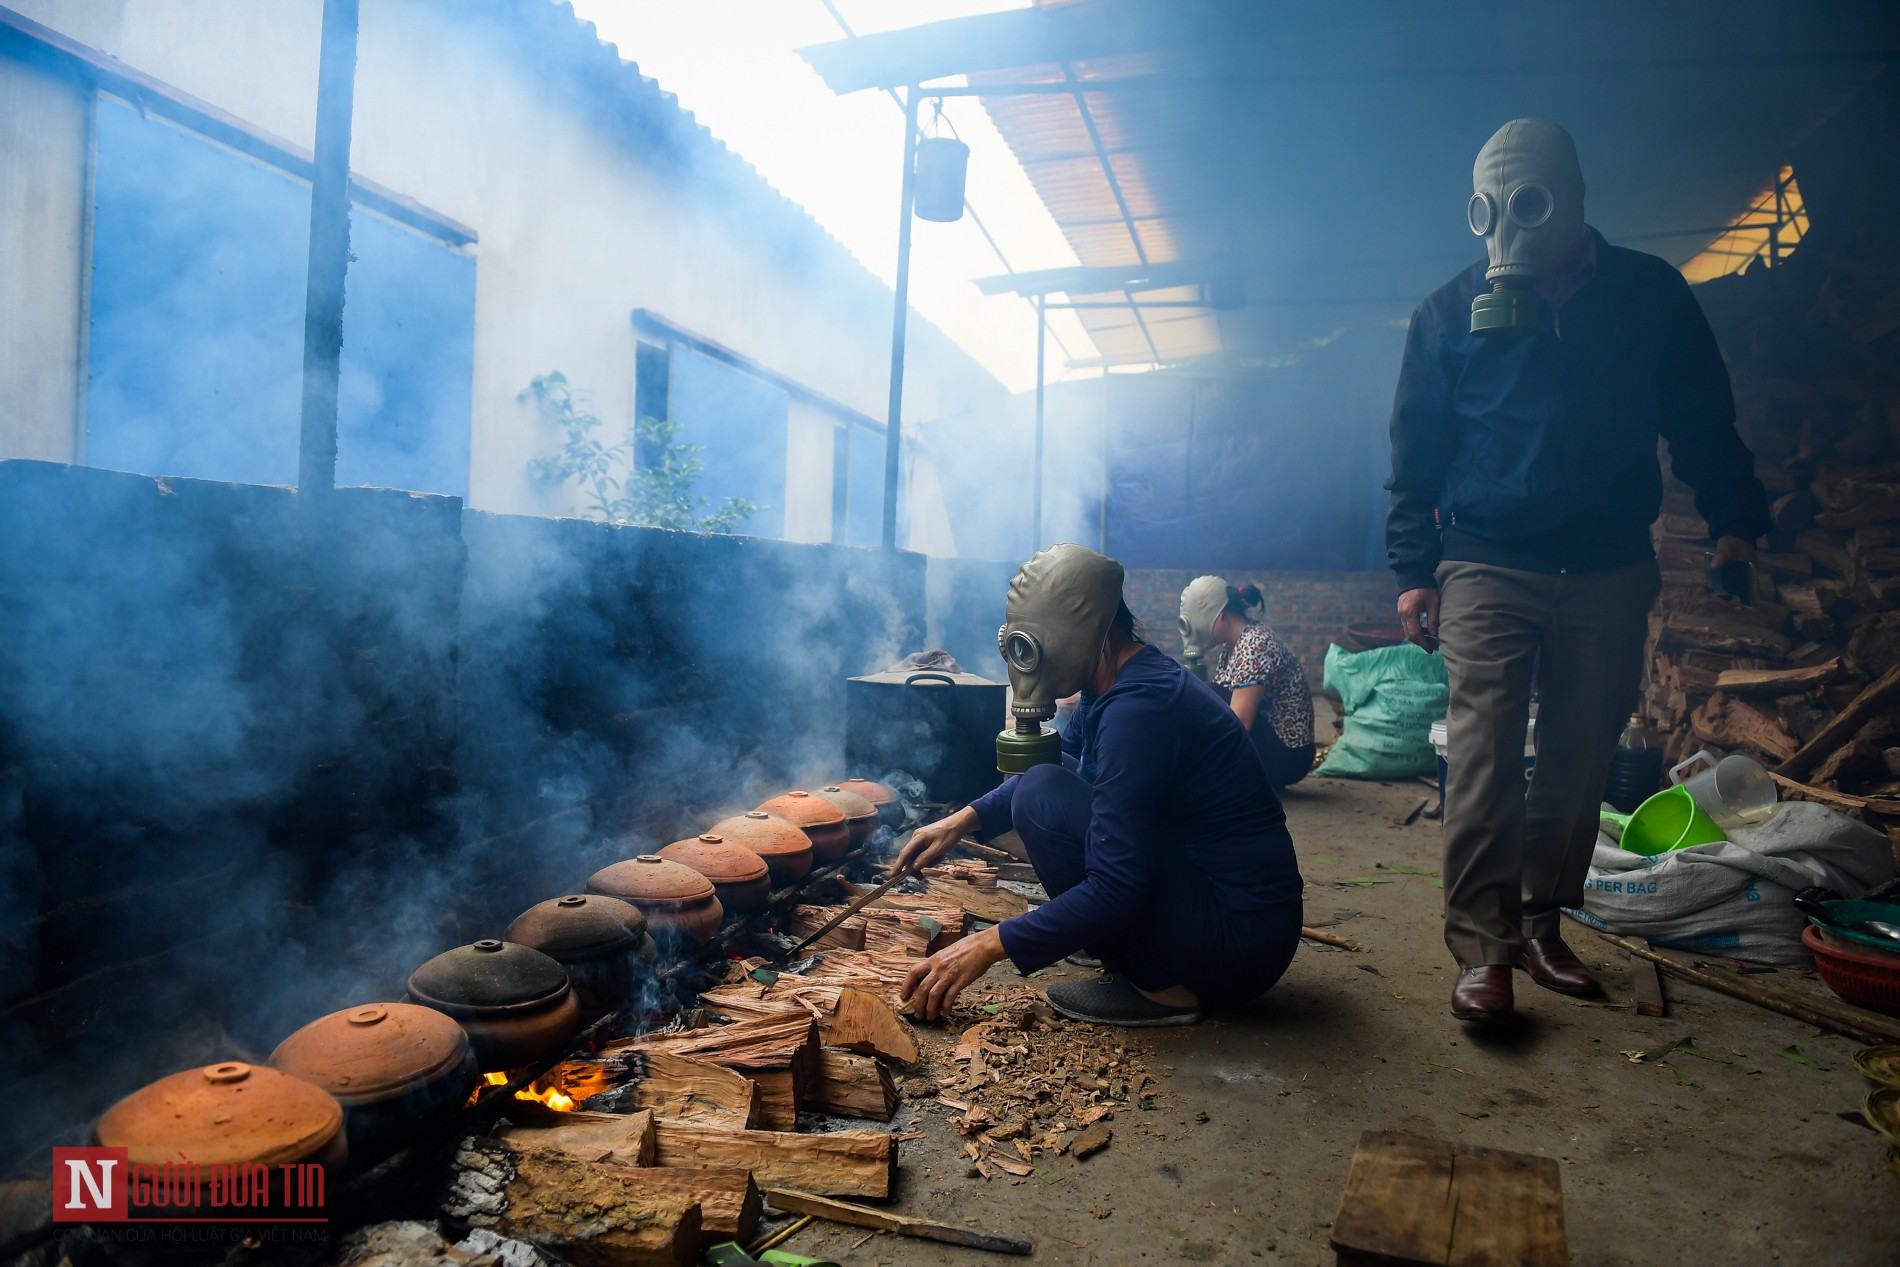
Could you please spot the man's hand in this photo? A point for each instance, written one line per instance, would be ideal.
(934, 983)
(1727, 550)
(933, 841)
(1418, 616)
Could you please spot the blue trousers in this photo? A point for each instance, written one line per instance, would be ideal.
(1187, 935)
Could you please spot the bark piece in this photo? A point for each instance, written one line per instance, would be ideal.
(586, 1213)
(1092, 1141)
(779, 1053)
(838, 1163)
(850, 1085)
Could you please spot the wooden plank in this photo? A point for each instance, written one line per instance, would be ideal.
(1509, 1210)
(1412, 1200)
(836, 1164)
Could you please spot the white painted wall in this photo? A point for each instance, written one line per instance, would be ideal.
(578, 226)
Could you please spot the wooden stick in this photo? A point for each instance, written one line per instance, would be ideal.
(782, 1235)
(1812, 1009)
(901, 1224)
(1329, 939)
(857, 904)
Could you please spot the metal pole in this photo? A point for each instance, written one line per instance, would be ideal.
(1103, 529)
(893, 424)
(1042, 342)
(329, 250)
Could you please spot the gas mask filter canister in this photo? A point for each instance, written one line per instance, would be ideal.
(1527, 205)
(1056, 622)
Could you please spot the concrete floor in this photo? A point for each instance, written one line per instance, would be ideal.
(1684, 1161)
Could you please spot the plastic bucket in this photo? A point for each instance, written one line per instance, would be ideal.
(1733, 792)
(1442, 746)
(1671, 819)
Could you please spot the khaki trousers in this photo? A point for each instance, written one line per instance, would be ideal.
(1512, 861)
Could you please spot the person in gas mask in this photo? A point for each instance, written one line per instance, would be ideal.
(1533, 391)
(1163, 848)
(1222, 626)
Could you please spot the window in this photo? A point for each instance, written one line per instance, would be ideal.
(1768, 230)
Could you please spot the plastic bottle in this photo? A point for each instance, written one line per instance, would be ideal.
(1636, 767)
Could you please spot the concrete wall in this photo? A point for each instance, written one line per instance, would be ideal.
(592, 196)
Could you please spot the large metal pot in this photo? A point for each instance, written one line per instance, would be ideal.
(860, 815)
(187, 1132)
(677, 901)
(396, 1068)
(785, 848)
(821, 821)
(601, 941)
(739, 876)
(514, 1002)
(938, 727)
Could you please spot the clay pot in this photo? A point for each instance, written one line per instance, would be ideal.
(890, 806)
(601, 941)
(223, 1115)
(785, 848)
(678, 901)
(819, 819)
(860, 816)
(397, 1069)
(738, 875)
(514, 1002)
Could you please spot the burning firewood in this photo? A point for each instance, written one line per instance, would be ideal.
(836, 1164)
(779, 1053)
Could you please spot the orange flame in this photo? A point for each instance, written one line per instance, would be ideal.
(551, 1096)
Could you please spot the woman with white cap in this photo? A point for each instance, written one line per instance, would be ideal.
(1263, 681)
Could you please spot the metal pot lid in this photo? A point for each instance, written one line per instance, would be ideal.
(804, 809)
(578, 924)
(928, 679)
(223, 1114)
(720, 860)
(489, 974)
(855, 807)
(651, 880)
(876, 793)
(764, 834)
(374, 1051)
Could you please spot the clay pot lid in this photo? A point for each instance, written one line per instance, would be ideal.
(379, 1049)
(221, 1114)
(804, 809)
(720, 860)
(876, 793)
(578, 924)
(651, 879)
(489, 974)
(764, 834)
(855, 807)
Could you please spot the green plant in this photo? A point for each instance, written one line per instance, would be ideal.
(653, 493)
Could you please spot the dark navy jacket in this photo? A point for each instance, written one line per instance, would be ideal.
(1540, 451)
(1177, 785)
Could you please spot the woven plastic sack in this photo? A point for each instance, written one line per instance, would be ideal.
(1735, 897)
(1392, 696)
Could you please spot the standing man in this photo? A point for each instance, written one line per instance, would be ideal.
(1524, 481)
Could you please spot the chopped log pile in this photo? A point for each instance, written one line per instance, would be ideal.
(1807, 680)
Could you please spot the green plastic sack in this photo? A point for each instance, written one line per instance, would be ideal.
(1392, 697)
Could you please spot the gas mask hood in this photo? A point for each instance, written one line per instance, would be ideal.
(1527, 205)
(1202, 602)
(1056, 623)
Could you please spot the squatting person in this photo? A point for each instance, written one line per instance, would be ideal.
(1533, 391)
(1163, 848)
(1263, 681)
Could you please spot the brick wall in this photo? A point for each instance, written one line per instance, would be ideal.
(1306, 610)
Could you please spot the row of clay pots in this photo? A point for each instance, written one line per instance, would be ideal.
(361, 1080)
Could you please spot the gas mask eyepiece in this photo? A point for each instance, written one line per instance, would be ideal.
(1527, 205)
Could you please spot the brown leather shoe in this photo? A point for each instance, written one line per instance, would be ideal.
(1553, 966)
(1482, 993)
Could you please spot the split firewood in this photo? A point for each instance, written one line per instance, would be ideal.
(779, 1053)
(689, 1090)
(621, 1138)
(1778, 681)
(803, 921)
(848, 1017)
(1731, 723)
(586, 1213)
(1723, 633)
(993, 905)
(850, 1085)
(730, 1201)
(836, 1163)
(1869, 703)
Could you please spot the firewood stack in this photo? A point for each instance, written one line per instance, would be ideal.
(1808, 679)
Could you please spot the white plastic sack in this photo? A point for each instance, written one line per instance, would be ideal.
(1735, 897)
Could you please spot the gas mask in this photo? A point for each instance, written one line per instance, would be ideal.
(1527, 205)
(1056, 623)
(1202, 602)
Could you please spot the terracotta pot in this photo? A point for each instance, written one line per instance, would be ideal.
(819, 819)
(860, 815)
(678, 901)
(514, 1002)
(223, 1115)
(738, 875)
(890, 806)
(397, 1069)
(785, 848)
(601, 941)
